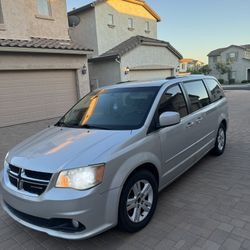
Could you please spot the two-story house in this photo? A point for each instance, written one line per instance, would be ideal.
(123, 35)
(235, 58)
(42, 72)
(189, 65)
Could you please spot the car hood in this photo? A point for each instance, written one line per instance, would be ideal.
(56, 148)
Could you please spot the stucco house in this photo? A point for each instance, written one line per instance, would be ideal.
(188, 64)
(42, 72)
(236, 58)
(123, 35)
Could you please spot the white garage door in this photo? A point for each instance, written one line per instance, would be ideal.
(27, 96)
(142, 75)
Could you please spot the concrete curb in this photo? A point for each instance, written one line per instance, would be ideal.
(236, 87)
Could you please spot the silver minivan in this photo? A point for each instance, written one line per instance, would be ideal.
(105, 160)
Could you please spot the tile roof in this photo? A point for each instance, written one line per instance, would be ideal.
(186, 60)
(218, 52)
(43, 43)
(131, 44)
(247, 46)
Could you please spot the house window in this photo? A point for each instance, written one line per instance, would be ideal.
(111, 21)
(216, 59)
(232, 75)
(247, 55)
(147, 27)
(232, 57)
(43, 7)
(1, 13)
(130, 24)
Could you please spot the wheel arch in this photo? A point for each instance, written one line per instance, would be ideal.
(148, 167)
(224, 123)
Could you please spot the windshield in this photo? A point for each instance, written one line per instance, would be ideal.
(112, 109)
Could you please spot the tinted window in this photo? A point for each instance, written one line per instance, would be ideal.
(173, 100)
(114, 109)
(197, 94)
(215, 89)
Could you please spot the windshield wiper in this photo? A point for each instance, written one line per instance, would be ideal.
(61, 124)
(93, 127)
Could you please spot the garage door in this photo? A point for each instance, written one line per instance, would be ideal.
(142, 75)
(27, 96)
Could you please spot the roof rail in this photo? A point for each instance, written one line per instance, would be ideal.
(172, 77)
(124, 82)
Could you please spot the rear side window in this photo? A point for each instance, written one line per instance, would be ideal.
(197, 94)
(173, 100)
(215, 90)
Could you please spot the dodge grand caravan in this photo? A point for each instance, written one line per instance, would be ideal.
(105, 160)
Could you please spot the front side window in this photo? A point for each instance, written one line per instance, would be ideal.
(197, 94)
(173, 100)
(215, 90)
(112, 109)
(1, 14)
(43, 7)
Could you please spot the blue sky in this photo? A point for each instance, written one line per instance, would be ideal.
(195, 27)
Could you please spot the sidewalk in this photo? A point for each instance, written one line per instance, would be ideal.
(236, 87)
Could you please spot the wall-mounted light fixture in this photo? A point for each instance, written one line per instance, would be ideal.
(126, 71)
(84, 69)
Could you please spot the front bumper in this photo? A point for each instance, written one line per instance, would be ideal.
(96, 211)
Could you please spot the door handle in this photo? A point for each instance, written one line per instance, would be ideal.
(198, 120)
(190, 124)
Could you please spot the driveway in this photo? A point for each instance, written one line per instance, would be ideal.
(206, 208)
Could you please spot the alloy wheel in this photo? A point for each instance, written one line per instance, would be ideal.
(139, 201)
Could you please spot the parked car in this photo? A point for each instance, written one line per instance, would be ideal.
(105, 161)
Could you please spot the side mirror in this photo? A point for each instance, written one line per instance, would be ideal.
(169, 119)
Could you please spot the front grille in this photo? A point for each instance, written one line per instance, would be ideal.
(57, 224)
(30, 181)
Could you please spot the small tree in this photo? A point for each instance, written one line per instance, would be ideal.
(203, 70)
(223, 68)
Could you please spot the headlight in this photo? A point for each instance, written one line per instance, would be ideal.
(81, 178)
(5, 160)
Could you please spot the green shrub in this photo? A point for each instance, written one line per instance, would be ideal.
(245, 81)
(221, 81)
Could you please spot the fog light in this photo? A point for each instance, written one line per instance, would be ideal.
(75, 224)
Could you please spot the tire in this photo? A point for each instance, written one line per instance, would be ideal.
(131, 215)
(220, 143)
